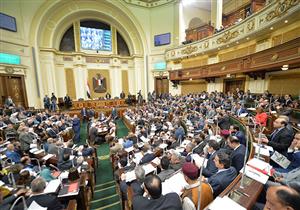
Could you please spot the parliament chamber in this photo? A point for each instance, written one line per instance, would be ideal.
(149, 104)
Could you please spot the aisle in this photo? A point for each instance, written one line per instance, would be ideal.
(105, 196)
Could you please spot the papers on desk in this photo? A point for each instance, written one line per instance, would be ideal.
(33, 146)
(175, 183)
(243, 115)
(38, 151)
(130, 176)
(1, 183)
(251, 109)
(198, 160)
(256, 175)
(129, 149)
(149, 168)
(265, 147)
(137, 157)
(280, 160)
(225, 203)
(64, 175)
(69, 190)
(184, 143)
(263, 151)
(48, 157)
(156, 161)
(163, 146)
(2, 157)
(260, 166)
(35, 206)
(144, 139)
(52, 186)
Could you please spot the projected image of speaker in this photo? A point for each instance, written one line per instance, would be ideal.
(95, 39)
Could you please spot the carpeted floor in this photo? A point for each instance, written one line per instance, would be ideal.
(105, 196)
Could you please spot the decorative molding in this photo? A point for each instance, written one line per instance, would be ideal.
(263, 61)
(148, 3)
(281, 8)
(254, 25)
(13, 69)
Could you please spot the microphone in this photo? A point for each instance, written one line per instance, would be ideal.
(38, 162)
(11, 179)
(16, 201)
(52, 166)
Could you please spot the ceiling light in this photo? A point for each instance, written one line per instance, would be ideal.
(237, 42)
(191, 79)
(271, 28)
(286, 21)
(247, 38)
(285, 67)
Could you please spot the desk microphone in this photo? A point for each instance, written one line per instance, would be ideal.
(53, 166)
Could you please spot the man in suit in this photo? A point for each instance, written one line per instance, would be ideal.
(238, 152)
(211, 168)
(76, 128)
(224, 176)
(122, 95)
(235, 131)
(166, 172)
(239, 109)
(281, 137)
(148, 154)
(84, 114)
(154, 199)
(45, 200)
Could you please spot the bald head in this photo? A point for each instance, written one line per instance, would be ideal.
(282, 198)
(153, 186)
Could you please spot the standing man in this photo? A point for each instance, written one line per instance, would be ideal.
(53, 103)
(122, 95)
(9, 102)
(76, 128)
(46, 101)
(68, 101)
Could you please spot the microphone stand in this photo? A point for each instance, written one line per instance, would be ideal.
(200, 183)
(245, 157)
(261, 130)
(38, 162)
(16, 201)
(12, 180)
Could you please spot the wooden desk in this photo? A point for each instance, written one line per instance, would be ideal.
(128, 124)
(94, 104)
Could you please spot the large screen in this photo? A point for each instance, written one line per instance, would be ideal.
(162, 39)
(8, 22)
(95, 39)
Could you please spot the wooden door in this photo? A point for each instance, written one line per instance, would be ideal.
(14, 86)
(161, 85)
(232, 84)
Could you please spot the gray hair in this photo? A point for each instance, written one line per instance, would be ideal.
(38, 185)
(139, 173)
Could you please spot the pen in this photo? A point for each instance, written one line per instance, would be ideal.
(245, 194)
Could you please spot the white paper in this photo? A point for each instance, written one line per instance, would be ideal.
(256, 175)
(129, 149)
(184, 143)
(1, 183)
(163, 146)
(52, 186)
(137, 157)
(262, 151)
(280, 160)
(243, 114)
(175, 183)
(35, 206)
(48, 156)
(144, 139)
(148, 168)
(257, 163)
(225, 203)
(265, 147)
(199, 161)
(38, 151)
(130, 176)
(156, 161)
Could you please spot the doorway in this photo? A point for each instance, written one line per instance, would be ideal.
(161, 85)
(232, 84)
(14, 86)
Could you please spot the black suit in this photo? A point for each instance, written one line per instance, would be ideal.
(210, 168)
(221, 180)
(170, 201)
(46, 200)
(281, 140)
(147, 158)
(237, 157)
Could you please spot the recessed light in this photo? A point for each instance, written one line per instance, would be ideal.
(286, 21)
(227, 45)
(247, 38)
(237, 42)
(271, 28)
(219, 48)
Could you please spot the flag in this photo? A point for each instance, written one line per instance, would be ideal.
(88, 92)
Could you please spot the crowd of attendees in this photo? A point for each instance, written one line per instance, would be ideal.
(190, 139)
(176, 128)
(26, 134)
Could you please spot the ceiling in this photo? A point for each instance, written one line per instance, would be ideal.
(201, 4)
(148, 3)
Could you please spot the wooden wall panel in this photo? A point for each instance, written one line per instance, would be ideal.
(70, 82)
(125, 84)
(92, 73)
(285, 84)
(193, 87)
(188, 63)
(237, 53)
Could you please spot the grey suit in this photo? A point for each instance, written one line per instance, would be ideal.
(165, 174)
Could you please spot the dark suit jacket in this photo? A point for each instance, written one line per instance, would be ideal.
(241, 136)
(170, 201)
(237, 157)
(147, 158)
(221, 180)
(46, 200)
(281, 141)
(210, 168)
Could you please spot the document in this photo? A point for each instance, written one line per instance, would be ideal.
(225, 203)
(52, 186)
(175, 183)
(261, 166)
(256, 175)
(148, 168)
(280, 160)
(199, 161)
(48, 156)
(35, 206)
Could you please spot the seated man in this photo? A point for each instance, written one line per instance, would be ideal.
(148, 154)
(155, 200)
(176, 161)
(235, 131)
(190, 194)
(45, 200)
(210, 169)
(64, 162)
(225, 174)
(238, 152)
(12, 154)
(281, 137)
(283, 197)
(165, 170)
